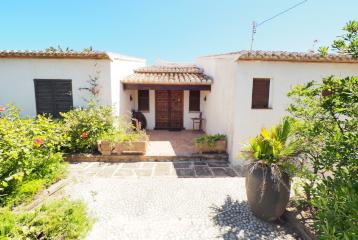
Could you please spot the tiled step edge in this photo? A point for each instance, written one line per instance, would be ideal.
(127, 158)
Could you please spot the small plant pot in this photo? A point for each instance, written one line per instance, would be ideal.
(105, 147)
(267, 198)
(139, 147)
(216, 147)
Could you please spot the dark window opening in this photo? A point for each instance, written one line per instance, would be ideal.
(143, 100)
(260, 93)
(194, 101)
(53, 96)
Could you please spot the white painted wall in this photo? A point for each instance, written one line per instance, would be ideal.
(122, 66)
(283, 75)
(218, 108)
(228, 106)
(17, 79)
(187, 115)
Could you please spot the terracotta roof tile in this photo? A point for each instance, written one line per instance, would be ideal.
(45, 54)
(175, 74)
(288, 56)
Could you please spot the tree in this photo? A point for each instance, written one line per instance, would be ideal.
(347, 44)
(328, 116)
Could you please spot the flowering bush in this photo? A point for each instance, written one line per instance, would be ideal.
(84, 126)
(28, 152)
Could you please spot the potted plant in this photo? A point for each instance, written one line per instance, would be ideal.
(123, 138)
(105, 147)
(105, 144)
(269, 173)
(210, 143)
(134, 142)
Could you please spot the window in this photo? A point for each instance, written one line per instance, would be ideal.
(260, 93)
(53, 96)
(194, 101)
(143, 100)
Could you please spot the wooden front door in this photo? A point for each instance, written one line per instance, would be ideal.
(169, 109)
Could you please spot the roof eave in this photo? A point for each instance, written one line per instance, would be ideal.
(348, 61)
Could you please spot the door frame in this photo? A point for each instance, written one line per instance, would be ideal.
(169, 111)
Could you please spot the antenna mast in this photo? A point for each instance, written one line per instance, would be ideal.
(255, 25)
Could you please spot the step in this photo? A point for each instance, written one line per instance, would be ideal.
(128, 158)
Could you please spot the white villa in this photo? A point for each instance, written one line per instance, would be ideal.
(235, 93)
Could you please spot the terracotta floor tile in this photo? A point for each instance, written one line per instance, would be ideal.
(171, 143)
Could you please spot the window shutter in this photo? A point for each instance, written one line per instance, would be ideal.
(143, 100)
(53, 96)
(260, 93)
(194, 101)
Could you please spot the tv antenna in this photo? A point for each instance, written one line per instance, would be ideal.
(256, 25)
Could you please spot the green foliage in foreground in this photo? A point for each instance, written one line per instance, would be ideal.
(210, 139)
(328, 113)
(61, 219)
(29, 157)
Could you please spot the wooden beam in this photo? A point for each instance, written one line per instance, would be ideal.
(135, 86)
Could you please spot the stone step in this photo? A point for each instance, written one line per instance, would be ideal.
(129, 158)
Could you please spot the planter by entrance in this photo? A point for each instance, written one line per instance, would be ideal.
(105, 147)
(267, 197)
(130, 147)
(215, 147)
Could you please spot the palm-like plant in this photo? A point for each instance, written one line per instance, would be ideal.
(268, 179)
(274, 146)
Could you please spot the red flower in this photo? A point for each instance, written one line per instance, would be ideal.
(39, 141)
(2, 109)
(84, 135)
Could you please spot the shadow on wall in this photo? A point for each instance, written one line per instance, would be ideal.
(236, 221)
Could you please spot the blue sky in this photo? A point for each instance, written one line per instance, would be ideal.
(174, 30)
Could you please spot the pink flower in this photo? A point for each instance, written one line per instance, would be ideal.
(39, 141)
(84, 135)
(2, 109)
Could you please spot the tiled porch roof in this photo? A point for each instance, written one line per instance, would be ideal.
(174, 74)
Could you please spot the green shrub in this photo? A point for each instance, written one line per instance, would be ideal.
(209, 139)
(328, 112)
(28, 151)
(60, 219)
(123, 131)
(84, 126)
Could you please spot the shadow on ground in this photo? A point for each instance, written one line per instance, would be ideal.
(236, 221)
(204, 169)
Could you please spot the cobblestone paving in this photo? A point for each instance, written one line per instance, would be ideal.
(181, 200)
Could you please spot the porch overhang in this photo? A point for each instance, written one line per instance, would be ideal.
(136, 86)
(169, 77)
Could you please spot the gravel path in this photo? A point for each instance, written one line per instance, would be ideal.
(169, 207)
